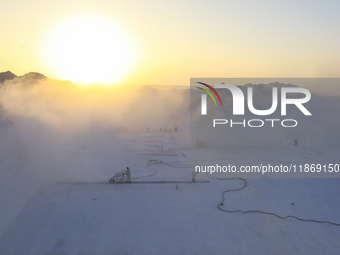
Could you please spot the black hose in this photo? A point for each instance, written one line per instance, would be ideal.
(262, 212)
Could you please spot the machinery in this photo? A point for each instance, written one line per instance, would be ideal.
(119, 177)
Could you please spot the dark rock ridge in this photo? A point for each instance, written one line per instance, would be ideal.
(7, 76)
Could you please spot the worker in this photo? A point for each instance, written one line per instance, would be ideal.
(128, 174)
(296, 142)
(193, 176)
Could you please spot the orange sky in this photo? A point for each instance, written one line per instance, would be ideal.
(182, 39)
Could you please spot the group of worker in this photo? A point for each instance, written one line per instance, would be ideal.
(165, 130)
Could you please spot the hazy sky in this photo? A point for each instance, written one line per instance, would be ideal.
(179, 39)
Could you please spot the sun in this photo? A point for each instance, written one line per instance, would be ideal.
(90, 48)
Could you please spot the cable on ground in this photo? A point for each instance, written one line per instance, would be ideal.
(245, 183)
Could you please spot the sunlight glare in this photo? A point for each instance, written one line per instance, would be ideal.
(90, 49)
